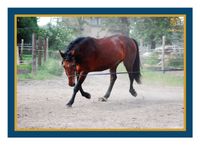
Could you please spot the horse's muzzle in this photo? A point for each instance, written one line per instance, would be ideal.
(71, 84)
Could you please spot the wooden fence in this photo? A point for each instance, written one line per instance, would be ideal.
(38, 49)
(39, 52)
(164, 58)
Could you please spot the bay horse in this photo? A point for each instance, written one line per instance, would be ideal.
(87, 54)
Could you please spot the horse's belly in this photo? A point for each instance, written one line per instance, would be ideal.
(104, 65)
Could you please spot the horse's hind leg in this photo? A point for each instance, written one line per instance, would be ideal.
(129, 68)
(131, 89)
(113, 78)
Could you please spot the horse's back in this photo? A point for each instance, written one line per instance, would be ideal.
(107, 52)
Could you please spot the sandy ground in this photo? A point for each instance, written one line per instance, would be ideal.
(41, 104)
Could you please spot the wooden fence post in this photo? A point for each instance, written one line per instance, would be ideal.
(45, 49)
(18, 60)
(21, 51)
(33, 53)
(163, 54)
(39, 51)
(47, 52)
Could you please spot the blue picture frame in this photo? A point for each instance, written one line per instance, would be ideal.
(111, 11)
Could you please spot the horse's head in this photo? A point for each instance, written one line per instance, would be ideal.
(68, 64)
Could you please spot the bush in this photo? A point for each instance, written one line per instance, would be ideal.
(53, 67)
(152, 59)
(176, 61)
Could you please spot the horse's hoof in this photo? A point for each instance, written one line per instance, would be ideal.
(87, 95)
(69, 105)
(102, 99)
(133, 93)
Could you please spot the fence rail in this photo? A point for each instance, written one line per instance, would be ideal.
(39, 53)
(38, 50)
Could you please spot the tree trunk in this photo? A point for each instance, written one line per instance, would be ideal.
(153, 44)
(125, 26)
(39, 51)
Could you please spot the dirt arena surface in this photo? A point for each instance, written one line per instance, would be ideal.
(41, 104)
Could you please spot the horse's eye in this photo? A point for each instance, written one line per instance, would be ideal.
(63, 64)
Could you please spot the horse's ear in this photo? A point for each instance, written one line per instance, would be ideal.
(61, 54)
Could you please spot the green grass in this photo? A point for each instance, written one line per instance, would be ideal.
(176, 62)
(158, 77)
(24, 76)
(152, 59)
(27, 58)
(53, 68)
(24, 67)
(48, 70)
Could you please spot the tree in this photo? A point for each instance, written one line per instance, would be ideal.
(119, 25)
(59, 35)
(151, 29)
(125, 25)
(25, 27)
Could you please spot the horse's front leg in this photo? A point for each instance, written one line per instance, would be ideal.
(83, 93)
(77, 88)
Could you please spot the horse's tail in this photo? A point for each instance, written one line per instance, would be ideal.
(136, 65)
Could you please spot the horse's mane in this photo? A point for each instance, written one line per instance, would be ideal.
(71, 46)
(74, 43)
